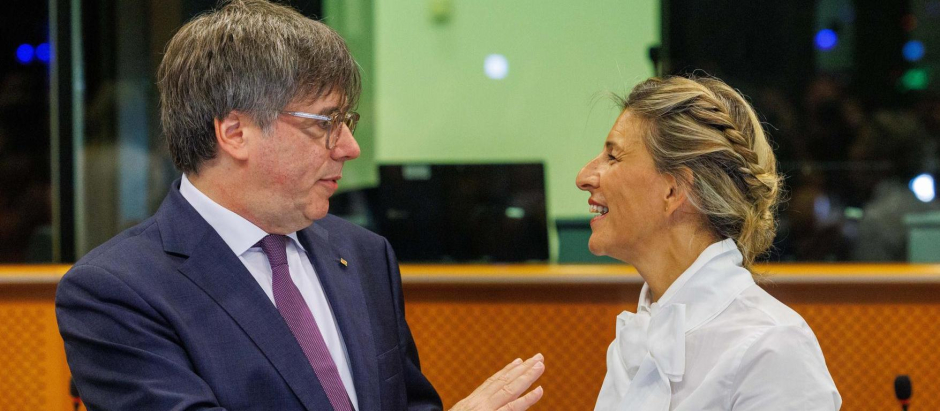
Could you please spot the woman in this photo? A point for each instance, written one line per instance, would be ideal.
(685, 191)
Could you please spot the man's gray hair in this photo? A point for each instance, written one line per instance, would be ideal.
(251, 56)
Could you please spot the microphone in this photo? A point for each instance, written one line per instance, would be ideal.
(73, 391)
(902, 390)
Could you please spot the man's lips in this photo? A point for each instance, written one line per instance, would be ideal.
(331, 182)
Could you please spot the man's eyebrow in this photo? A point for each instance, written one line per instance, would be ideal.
(610, 145)
(328, 110)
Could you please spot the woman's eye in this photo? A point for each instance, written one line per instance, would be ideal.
(610, 157)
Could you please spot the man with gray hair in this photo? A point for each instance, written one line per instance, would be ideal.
(241, 293)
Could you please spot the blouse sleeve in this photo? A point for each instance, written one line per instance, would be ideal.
(784, 369)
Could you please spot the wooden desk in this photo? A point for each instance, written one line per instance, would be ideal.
(873, 322)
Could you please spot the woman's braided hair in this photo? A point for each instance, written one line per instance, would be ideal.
(703, 125)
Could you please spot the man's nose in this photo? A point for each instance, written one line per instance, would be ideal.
(347, 148)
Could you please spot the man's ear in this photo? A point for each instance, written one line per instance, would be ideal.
(677, 186)
(231, 135)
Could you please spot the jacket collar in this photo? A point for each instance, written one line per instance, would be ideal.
(342, 282)
(213, 266)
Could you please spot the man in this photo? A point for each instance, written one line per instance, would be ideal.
(241, 293)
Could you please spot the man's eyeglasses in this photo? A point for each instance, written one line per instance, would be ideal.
(332, 123)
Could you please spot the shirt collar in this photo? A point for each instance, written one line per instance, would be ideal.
(237, 232)
(707, 287)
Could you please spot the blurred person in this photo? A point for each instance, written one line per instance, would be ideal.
(685, 190)
(241, 292)
(815, 226)
(897, 146)
(833, 118)
(927, 109)
(778, 111)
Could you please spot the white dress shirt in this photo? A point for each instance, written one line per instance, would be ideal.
(242, 237)
(715, 341)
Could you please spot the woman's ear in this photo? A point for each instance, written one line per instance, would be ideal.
(677, 186)
(230, 135)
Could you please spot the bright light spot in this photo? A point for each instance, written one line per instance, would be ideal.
(826, 39)
(496, 66)
(854, 213)
(24, 53)
(923, 187)
(515, 213)
(416, 172)
(42, 52)
(913, 50)
(915, 79)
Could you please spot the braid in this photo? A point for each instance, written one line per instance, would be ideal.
(704, 125)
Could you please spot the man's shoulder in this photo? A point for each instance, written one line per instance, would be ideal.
(138, 245)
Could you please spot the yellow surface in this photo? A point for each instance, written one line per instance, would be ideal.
(569, 270)
(33, 269)
(840, 269)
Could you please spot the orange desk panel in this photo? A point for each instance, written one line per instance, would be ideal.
(33, 372)
(873, 322)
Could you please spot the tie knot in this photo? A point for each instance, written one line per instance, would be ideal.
(274, 247)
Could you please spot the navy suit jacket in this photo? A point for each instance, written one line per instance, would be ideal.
(166, 317)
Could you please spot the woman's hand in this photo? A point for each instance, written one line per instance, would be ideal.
(501, 391)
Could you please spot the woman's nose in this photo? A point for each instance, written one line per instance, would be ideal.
(587, 177)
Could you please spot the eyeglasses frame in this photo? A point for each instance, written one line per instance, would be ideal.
(350, 119)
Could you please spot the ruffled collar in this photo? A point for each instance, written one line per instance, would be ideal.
(712, 282)
(648, 354)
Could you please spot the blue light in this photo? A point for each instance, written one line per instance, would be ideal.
(923, 188)
(913, 50)
(42, 52)
(826, 39)
(24, 53)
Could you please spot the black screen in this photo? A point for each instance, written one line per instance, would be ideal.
(463, 212)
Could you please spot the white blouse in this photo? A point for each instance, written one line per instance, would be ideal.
(715, 341)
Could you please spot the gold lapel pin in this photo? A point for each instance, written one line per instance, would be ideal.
(343, 262)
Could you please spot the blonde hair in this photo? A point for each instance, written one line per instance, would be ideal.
(704, 126)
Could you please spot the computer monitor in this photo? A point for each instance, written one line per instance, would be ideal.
(463, 212)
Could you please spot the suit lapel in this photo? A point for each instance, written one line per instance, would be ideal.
(216, 270)
(343, 288)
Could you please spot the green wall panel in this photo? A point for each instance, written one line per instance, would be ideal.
(427, 98)
(434, 102)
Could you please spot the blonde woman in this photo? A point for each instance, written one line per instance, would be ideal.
(685, 190)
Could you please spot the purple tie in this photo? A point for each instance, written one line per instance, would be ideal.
(295, 311)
